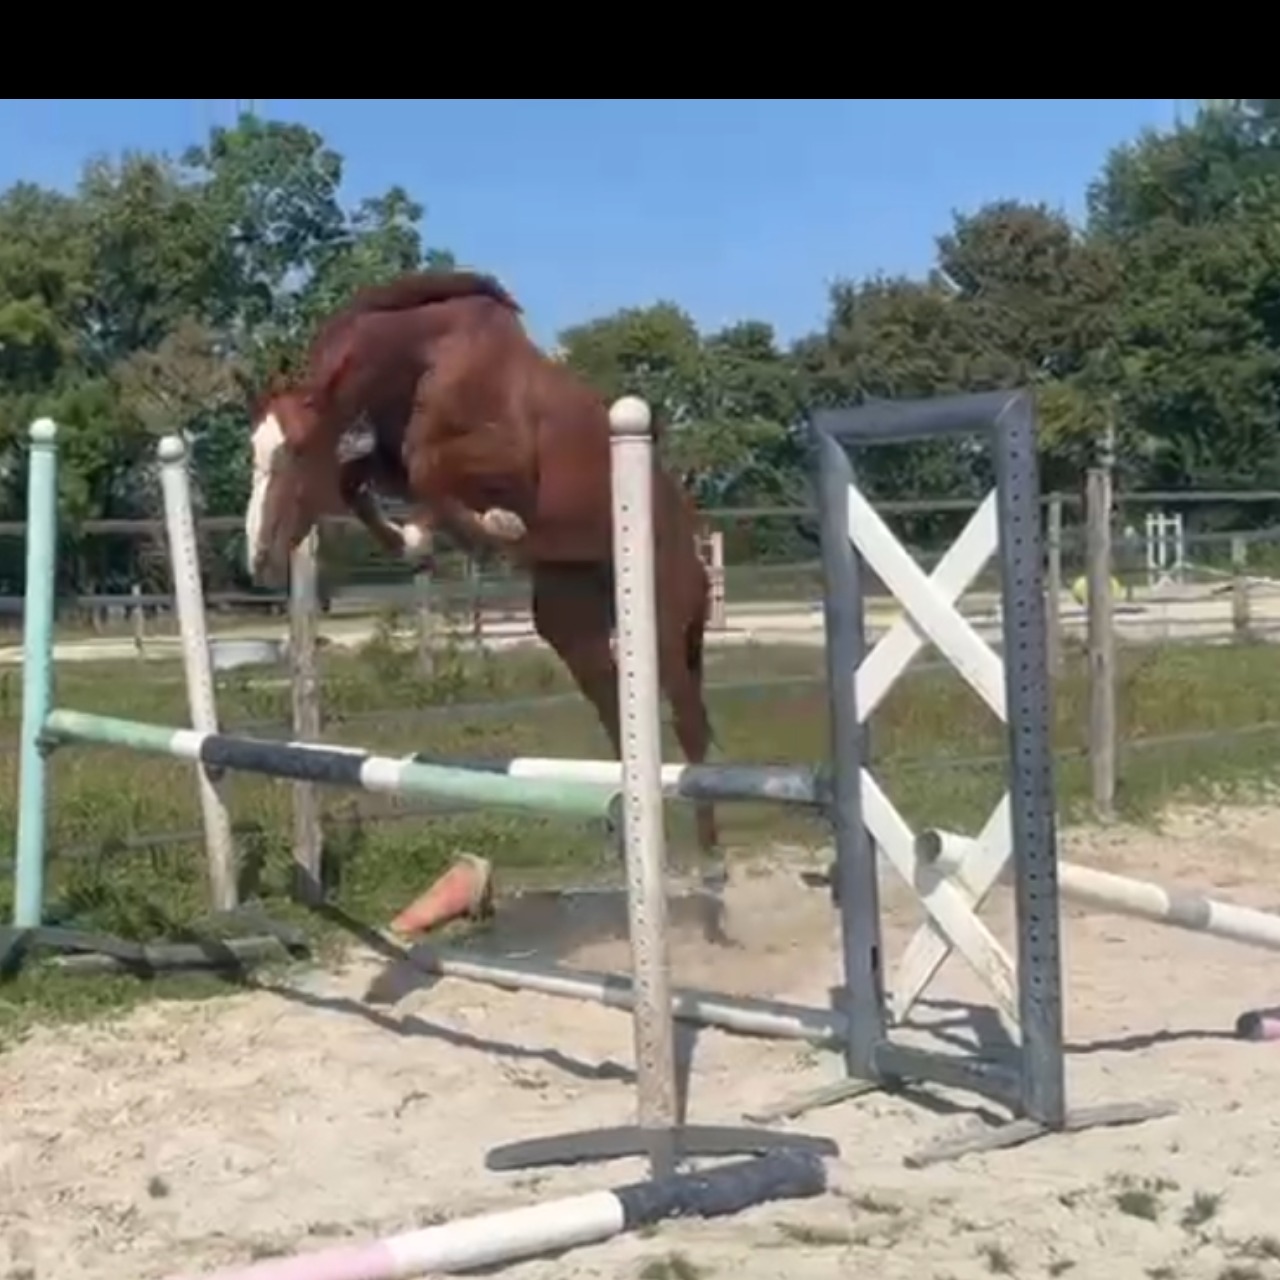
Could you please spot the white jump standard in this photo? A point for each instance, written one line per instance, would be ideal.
(660, 1131)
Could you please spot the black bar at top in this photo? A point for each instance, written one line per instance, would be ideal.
(898, 421)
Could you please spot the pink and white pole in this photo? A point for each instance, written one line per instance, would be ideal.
(496, 1238)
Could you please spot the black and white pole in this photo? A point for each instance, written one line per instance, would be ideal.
(644, 834)
(495, 1239)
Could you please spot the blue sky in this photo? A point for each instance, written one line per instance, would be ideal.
(732, 207)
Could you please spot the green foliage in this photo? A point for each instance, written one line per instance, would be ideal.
(149, 298)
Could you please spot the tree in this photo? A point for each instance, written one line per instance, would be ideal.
(144, 302)
(726, 403)
(1192, 215)
(1224, 164)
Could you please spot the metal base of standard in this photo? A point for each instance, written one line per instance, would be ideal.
(687, 1142)
(1016, 1133)
(981, 1137)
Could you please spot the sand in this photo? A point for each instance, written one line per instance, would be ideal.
(187, 1136)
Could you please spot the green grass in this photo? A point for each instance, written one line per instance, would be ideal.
(938, 750)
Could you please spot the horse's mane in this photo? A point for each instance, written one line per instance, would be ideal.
(420, 289)
(427, 287)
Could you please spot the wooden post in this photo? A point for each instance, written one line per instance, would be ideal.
(476, 591)
(718, 604)
(138, 616)
(425, 621)
(1101, 641)
(1239, 587)
(711, 553)
(304, 611)
(1053, 586)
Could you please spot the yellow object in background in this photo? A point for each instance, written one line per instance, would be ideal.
(1080, 590)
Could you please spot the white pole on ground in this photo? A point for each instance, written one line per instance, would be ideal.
(642, 809)
(184, 558)
(1105, 891)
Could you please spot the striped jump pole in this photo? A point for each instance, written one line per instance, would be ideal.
(496, 1239)
(331, 765)
(965, 861)
(785, 784)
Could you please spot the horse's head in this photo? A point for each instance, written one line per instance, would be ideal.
(294, 482)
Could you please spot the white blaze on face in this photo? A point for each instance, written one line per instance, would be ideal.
(268, 440)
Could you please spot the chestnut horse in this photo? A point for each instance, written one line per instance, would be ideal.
(486, 438)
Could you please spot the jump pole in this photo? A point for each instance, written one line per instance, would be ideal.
(494, 1239)
(336, 766)
(954, 856)
(794, 785)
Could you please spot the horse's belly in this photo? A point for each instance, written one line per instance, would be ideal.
(574, 514)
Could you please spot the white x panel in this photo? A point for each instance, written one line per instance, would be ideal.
(930, 946)
(952, 575)
(950, 909)
(930, 614)
(930, 609)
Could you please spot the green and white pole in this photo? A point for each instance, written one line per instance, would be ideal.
(37, 671)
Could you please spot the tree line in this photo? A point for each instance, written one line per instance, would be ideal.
(159, 291)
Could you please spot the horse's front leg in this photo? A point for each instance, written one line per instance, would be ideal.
(413, 540)
(495, 529)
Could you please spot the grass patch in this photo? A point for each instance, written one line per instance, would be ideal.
(938, 751)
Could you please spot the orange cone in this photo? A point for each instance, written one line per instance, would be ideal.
(466, 889)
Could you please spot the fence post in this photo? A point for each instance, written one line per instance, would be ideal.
(1053, 585)
(1239, 586)
(425, 620)
(138, 616)
(475, 588)
(714, 553)
(304, 610)
(1101, 640)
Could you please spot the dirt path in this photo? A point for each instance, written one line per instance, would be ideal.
(189, 1136)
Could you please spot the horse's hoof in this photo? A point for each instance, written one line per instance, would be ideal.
(503, 525)
(416, 543)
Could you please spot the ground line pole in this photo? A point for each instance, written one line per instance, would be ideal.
(631, 424)
(188, 596)
(37, 671)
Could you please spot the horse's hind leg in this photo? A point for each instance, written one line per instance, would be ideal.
(683, 595)
(572, 613)
(680, 640)
(682, 683)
